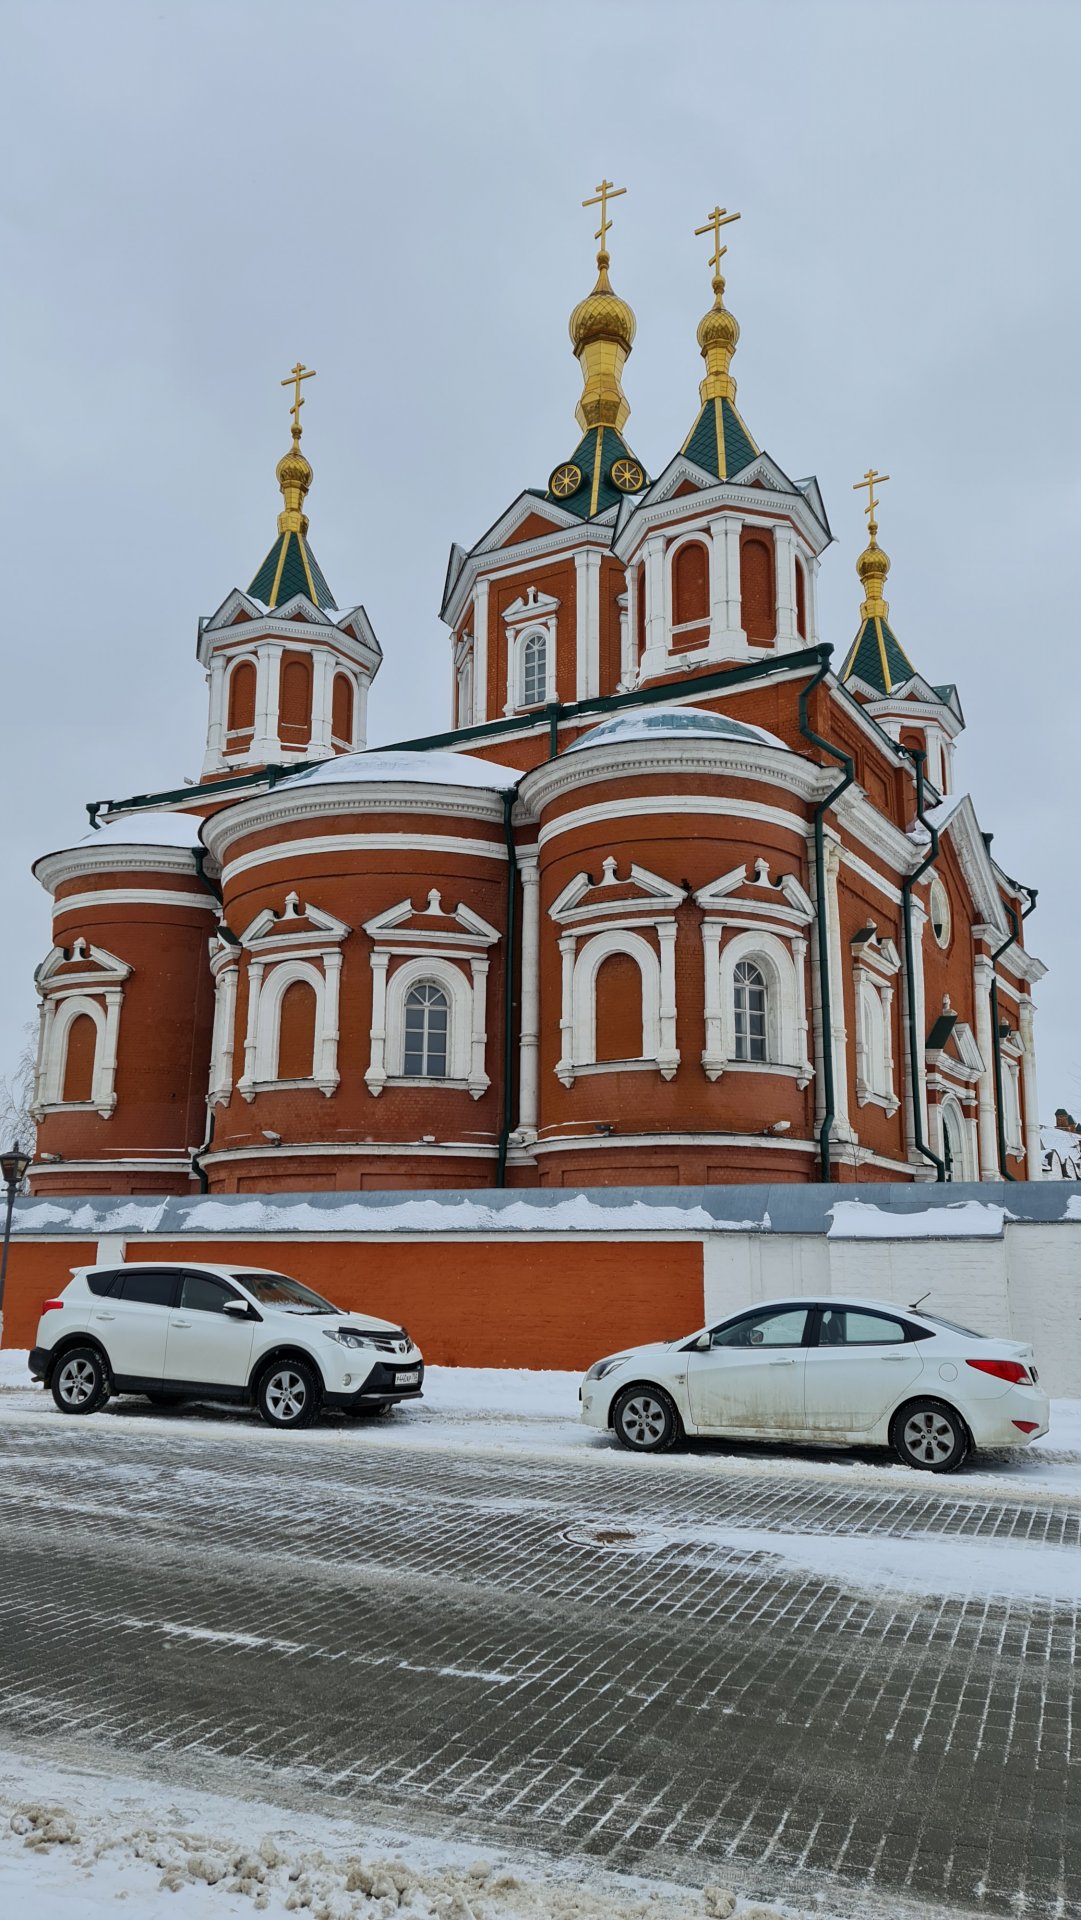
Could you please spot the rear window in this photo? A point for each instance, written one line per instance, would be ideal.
(103, 1282)
(154, 1289)
(953, 1326)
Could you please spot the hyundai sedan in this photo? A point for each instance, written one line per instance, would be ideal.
(832, 1372)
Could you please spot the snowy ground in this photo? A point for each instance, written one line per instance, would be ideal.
(73, 1844)
(508, 1409)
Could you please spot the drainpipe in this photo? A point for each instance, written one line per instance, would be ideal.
(509, 798)
(829, 1090)
(918, 758)
(996, 1037)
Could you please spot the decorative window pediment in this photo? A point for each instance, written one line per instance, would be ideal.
(78, 967)
(295, 927)
(431, 926)
(642, 893)
(783, 900)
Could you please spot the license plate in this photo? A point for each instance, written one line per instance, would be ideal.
(407, 1379)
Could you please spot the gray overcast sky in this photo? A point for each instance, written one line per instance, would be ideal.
(196, 195)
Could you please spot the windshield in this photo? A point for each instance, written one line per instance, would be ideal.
(953, 1326)
(277, 1290)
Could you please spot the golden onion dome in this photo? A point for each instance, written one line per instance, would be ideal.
(294, 477)
(602, 315)
(872, 566)
(718, 334)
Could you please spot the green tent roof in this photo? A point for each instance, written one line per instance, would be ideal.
(719, 441)
(594, 456)
(877, 657)
(290, 568)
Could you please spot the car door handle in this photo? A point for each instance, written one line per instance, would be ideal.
(105, 1316)
(895, 1359)
(174, 1322)
(781, 1363)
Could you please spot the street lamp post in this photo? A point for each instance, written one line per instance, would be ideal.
(13, 1165)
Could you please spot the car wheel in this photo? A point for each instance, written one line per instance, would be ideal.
(645, 1420)
(80, 1382)
(930, 1435)
(289, 1394)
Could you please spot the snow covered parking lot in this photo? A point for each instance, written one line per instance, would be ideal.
(822, 1682)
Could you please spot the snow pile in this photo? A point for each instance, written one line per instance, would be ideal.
(968, 1219)
(14, 1370)
(672, 723)
(91, 1842)
(431, 767)
(576, 1214)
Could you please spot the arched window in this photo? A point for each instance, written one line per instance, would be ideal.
(534, 669)
(295, 703)
(427, 1020)
(954, 1150)
(617, 989)
(801, 599)
(242, 698)
(749, 1011)
(80, 1056)
(690, 585)
(296, 1032)
(758, 595)
(873, 1024)
(341, 710)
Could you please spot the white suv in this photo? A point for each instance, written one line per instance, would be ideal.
(171, 1332)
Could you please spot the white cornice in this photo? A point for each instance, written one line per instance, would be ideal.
(280, 808)
(722, 496)
(860, 815)
(497, 563)
(623, 759)
(71, 863)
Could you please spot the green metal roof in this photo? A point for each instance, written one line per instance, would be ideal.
(877, 657)
(595, 455)
(290, 568)
(719, 441)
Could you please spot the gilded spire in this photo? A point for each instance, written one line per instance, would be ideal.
(602, 329)
(294, 474)
(718, 330)
(873, 565)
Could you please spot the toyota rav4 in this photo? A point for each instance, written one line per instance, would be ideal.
(174, 1333)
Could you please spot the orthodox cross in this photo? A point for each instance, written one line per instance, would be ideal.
(605, 192)
(871, 479)
(720, 217)
(300, 372)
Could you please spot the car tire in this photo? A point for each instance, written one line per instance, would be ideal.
(289, 1394)
(80, 1380)
(931, 1436)
(645, 1420)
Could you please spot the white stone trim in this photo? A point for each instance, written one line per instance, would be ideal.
(288, 850)
(267, 984)
(529, 1016)
(225, 967)
(782, 962)
(59, 1012)
(480, 653)
(134, 897)
(603, 812)
(466, 1035)
(578, 1024)
(287, 807)
(72, 863)
(1033, 1148)
(587, 581)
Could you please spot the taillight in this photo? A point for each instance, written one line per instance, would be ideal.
(48, 1305)
(1027, 1426)
(1012, 1370)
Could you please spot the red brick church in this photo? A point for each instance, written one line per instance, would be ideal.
(683, 895)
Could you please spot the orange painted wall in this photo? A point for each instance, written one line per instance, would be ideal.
(522, 1303)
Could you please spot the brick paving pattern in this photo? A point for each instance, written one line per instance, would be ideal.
(473, 1637)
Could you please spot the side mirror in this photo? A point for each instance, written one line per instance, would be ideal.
(238, 1310)
(703, 1343)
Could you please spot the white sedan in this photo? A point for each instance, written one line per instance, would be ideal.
(825, 1373)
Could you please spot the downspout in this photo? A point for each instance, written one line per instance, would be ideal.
(829, 1090)
(996, 1037)
(918, 757)
(212, 887)
(509, 798)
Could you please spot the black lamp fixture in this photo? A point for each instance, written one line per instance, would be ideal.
(13, 1165)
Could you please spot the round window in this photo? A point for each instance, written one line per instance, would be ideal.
(940, 912)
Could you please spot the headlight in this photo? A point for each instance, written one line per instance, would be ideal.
(598, 1371)
(346, 1337)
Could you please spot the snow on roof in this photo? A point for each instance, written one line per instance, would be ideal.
(673, 723)
(966, 1219)
(144, 830)
(430, 766)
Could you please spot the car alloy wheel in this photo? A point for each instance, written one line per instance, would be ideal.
(645, 1420)
(931, 1436)
(289, 1394)
(80, 1383)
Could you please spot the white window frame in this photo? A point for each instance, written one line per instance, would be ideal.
(461, 994)
(280, 951)
(950, 1107)
(581, 984)
(696, 536)
(528, 642)
(434, 953)
(877, 965)
(534, 614)
(760, 985)
(98, 990)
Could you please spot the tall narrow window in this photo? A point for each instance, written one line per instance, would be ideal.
(801, 599)
(534, 670)
(242, 698)
(427, 1016)
(295, 717)
(758, 593)
(341, 711)
(690, 595)
(750, 1011)
(79, 1057)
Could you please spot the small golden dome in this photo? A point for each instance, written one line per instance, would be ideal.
(872, 566)
(294, 476)
(602, 315)
(718, 334)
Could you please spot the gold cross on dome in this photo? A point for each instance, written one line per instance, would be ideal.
(720, 217)
(871, 479)
(300, 372)
(605, 192)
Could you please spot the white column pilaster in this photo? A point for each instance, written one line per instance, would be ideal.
(478, 1038)
(565, 1069)
(983, 974)
(327, 1049)
(587, 581)
(529, 1030)
(215, 733)
(360, 712)
(323, 667)
(1031, 1117)
(713, 1059)
(919, 1091)
(626, 659)
(375, 1078)
(251, 1036)
(265, 744)
(655, 656)
(480, 652)
(784, 560)
(668, 1058)
(838, 1036)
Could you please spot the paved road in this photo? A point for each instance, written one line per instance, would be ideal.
(506, 1645)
